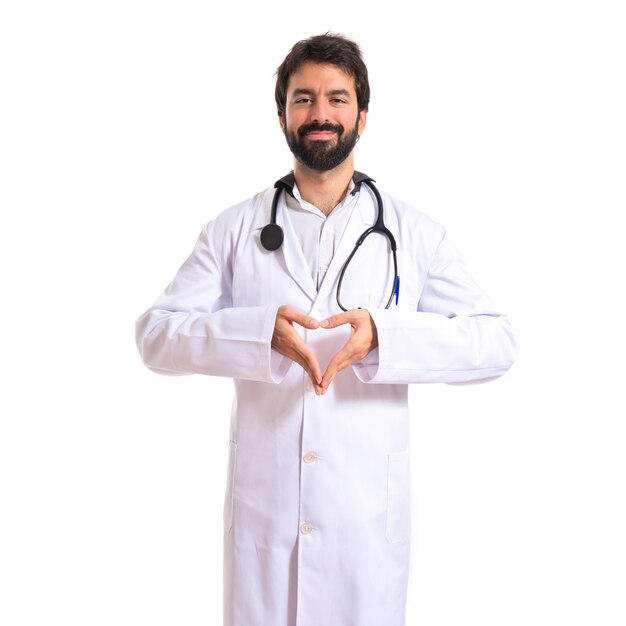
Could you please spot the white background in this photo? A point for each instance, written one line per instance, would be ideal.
(126, 125)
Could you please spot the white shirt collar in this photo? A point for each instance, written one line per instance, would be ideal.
(307, 206)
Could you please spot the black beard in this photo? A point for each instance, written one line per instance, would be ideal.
(319, 154)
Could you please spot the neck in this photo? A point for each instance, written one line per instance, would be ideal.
(324, 190)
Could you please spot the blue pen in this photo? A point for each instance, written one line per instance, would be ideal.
(397, 289)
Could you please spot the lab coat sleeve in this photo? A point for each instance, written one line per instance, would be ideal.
(193, 327)
(456, 335)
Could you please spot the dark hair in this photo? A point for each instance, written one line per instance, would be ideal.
(328, 48)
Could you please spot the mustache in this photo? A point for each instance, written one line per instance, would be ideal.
(315, 126)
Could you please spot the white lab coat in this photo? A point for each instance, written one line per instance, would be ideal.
(317, 515)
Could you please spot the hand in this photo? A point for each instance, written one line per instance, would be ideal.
(363, 339)
(287, 342)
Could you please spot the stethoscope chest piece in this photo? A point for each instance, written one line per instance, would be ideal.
(272, 237)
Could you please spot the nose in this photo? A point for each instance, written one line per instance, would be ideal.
(319, 111)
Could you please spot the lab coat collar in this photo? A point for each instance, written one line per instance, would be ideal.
(363, 216)
(288, 181)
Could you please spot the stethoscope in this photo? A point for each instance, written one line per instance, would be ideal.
(272, 235)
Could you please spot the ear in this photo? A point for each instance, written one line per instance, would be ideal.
(281, 121)
(362, 121)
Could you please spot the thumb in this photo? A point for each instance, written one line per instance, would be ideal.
(336, 320)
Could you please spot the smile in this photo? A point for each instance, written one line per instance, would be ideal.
(320, 134)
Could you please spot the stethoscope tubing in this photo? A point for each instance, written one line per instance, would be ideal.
(379, 227)
(272, 237)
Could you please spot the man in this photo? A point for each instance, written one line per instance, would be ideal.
(316, 513)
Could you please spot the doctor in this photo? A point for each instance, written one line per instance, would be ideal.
(317, 515)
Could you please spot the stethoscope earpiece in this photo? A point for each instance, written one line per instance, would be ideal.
(272, 237)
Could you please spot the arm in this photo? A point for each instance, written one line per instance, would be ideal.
(456, 334)
(193, 328)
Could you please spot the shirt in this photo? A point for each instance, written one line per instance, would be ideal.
(318, 234)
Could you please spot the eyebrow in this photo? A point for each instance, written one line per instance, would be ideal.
(302, 91)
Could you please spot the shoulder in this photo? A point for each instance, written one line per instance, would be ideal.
(249, 213)
(407, 218)
(245, 210)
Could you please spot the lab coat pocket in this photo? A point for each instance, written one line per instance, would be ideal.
(379, 299)
(228, 499)
(398, 495)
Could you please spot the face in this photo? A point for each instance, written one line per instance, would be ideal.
(322, 122)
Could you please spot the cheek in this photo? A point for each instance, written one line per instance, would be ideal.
(287, 124)
(292, 120)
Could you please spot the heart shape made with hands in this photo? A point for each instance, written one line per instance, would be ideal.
(286, 340)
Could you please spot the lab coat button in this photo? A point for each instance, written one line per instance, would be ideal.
(308, 457)
(306, 528)
(309, 385)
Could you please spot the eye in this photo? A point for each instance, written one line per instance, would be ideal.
(303, 100)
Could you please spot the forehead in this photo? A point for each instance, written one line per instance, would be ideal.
(320, 77)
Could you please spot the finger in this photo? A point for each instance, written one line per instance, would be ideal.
(340, 361)
(285, 336)
(287, 341)
(299, 352)
(293, 315)
(337, 320)
(311, 366)
(358, 347)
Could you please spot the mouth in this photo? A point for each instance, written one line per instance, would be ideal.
(320, 132)
(320, 135)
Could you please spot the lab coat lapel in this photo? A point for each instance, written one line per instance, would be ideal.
(292, 251)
